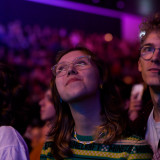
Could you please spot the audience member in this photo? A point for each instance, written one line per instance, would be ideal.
(89, 123)
(149, 66)
(47, 114)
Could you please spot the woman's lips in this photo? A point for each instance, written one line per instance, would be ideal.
(72, 80)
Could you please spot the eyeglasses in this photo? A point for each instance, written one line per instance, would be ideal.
(80, 63)
(148, 51)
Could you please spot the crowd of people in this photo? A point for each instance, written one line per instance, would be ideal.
(65, 123)
(32, 50)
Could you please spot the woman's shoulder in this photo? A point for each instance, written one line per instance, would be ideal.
(48, 144)
(132, 140)
(136, 143)
(46, 151)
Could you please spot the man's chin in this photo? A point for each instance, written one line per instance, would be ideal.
(154, 86)
(153, 82)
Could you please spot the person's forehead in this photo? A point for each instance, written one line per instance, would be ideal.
(153, 37)
(70, 56)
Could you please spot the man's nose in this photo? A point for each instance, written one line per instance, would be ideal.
(156, 56)
(156, 52)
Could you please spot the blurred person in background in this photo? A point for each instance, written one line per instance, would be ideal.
(47, 109)
(12, 145)
(89, 122)
(138, 96)
(139, 108)
(47, 114)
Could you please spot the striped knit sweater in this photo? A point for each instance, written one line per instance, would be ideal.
(131, 148)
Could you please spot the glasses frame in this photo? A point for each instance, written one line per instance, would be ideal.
(152, 52)
(53, 68)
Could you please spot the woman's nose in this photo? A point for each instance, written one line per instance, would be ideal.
(71, 69)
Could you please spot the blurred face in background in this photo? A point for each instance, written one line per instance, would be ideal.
(47, 111)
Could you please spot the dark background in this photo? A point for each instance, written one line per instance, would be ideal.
(35, 13)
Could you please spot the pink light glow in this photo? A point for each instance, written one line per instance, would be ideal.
(81, 7)
(129, 22)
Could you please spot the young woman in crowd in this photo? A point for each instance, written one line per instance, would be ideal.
(89, 123)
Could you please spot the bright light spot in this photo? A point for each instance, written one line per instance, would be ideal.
(142, 34)
(145, 7)
(108, 37)
(128, 80)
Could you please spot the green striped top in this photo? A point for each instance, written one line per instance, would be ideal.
(131, 148)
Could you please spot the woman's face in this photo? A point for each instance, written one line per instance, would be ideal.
(47, 111)
(77, 83)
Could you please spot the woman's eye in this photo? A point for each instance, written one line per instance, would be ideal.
(82, 63)
(61, 68)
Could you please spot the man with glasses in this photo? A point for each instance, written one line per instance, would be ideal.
(149, 66)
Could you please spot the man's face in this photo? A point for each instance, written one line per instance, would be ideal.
(150, 69)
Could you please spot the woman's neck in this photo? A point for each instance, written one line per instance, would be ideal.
(86, 114)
